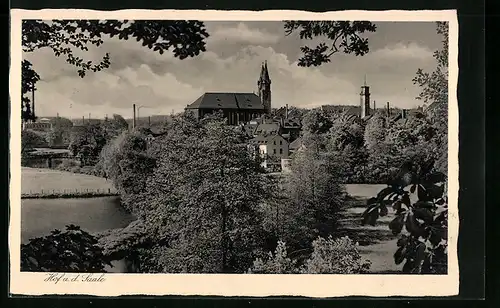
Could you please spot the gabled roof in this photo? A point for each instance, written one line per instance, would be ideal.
(260, 139)
(267, 128)
(212, 100)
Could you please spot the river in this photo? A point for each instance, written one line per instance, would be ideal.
(40, 216)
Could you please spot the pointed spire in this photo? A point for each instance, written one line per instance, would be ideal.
(365, 81)
(266, 72)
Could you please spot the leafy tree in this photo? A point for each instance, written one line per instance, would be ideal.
(346, 142)
(87, 142)
(28, 80)
(316, 122)
(343, 36)
(434, 92)
(30, 140)
(125, 160)
(419, 198)
(314, 198)
(202, 198)
(73, 250)
(375, 135)
(64, 37)
(60, 133)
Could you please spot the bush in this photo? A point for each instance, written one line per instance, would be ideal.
(71, 251)
(329, 256)
(277, 263)
(335, 256)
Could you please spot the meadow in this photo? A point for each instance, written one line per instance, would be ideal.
(39, 181)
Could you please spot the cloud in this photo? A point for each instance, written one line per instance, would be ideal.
(400, 50)
(242, 34)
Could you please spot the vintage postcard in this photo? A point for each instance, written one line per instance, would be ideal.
(234, 153)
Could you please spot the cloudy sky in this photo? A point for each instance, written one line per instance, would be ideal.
(235, 51)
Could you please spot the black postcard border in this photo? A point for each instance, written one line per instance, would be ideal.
(471, 98)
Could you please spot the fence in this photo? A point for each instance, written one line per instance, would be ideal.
(70, 193)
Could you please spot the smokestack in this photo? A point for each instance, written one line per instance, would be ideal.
(149, 121)
(374, 106)
(133, 120)
(83, 120)
(286, 110)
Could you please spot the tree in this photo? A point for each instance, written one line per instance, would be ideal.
(375, 134)
(314, 198)
(434, 92)
(343, 36)
(60, 133)
(126, 162)
(73, 250)
(87, 142)
(202, 198)
(418, 196)
(30, 140)
(64, 37)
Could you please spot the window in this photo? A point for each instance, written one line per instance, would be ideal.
(281, 142)
(281, 151)
(274, 142)
(274, 151)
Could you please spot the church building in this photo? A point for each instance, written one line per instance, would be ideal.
(238, 108)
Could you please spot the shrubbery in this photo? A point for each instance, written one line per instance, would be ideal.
(73, 250)
(329, 256)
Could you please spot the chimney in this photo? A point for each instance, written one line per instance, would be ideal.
(388, 110)
(403, 113)
(133, 120)
(374, 106)
(286, 111)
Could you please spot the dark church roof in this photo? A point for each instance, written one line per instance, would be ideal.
(247, 101)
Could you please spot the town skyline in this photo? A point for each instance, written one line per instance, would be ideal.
(235, 51)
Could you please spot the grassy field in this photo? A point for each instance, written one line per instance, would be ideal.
(377, 243)
(34, 180)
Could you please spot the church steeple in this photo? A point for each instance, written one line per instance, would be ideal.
(264, 85)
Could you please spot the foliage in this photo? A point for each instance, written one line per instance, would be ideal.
(68, 37)
(434, 91)
(28, 80)
(73, 250)
(335, 256)
(86, 143)
(125, 161)
(316, 122)
(418, 196)
(277, 263)
(344, 36)
(88, 140)
(202, 198)
(375, 135)
(60, 133)
(329, 256)
(313, 198)
(30, 140)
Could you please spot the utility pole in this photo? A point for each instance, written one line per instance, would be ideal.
(33, 102)
(133, 120)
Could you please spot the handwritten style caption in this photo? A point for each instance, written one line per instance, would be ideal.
(68, 278)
